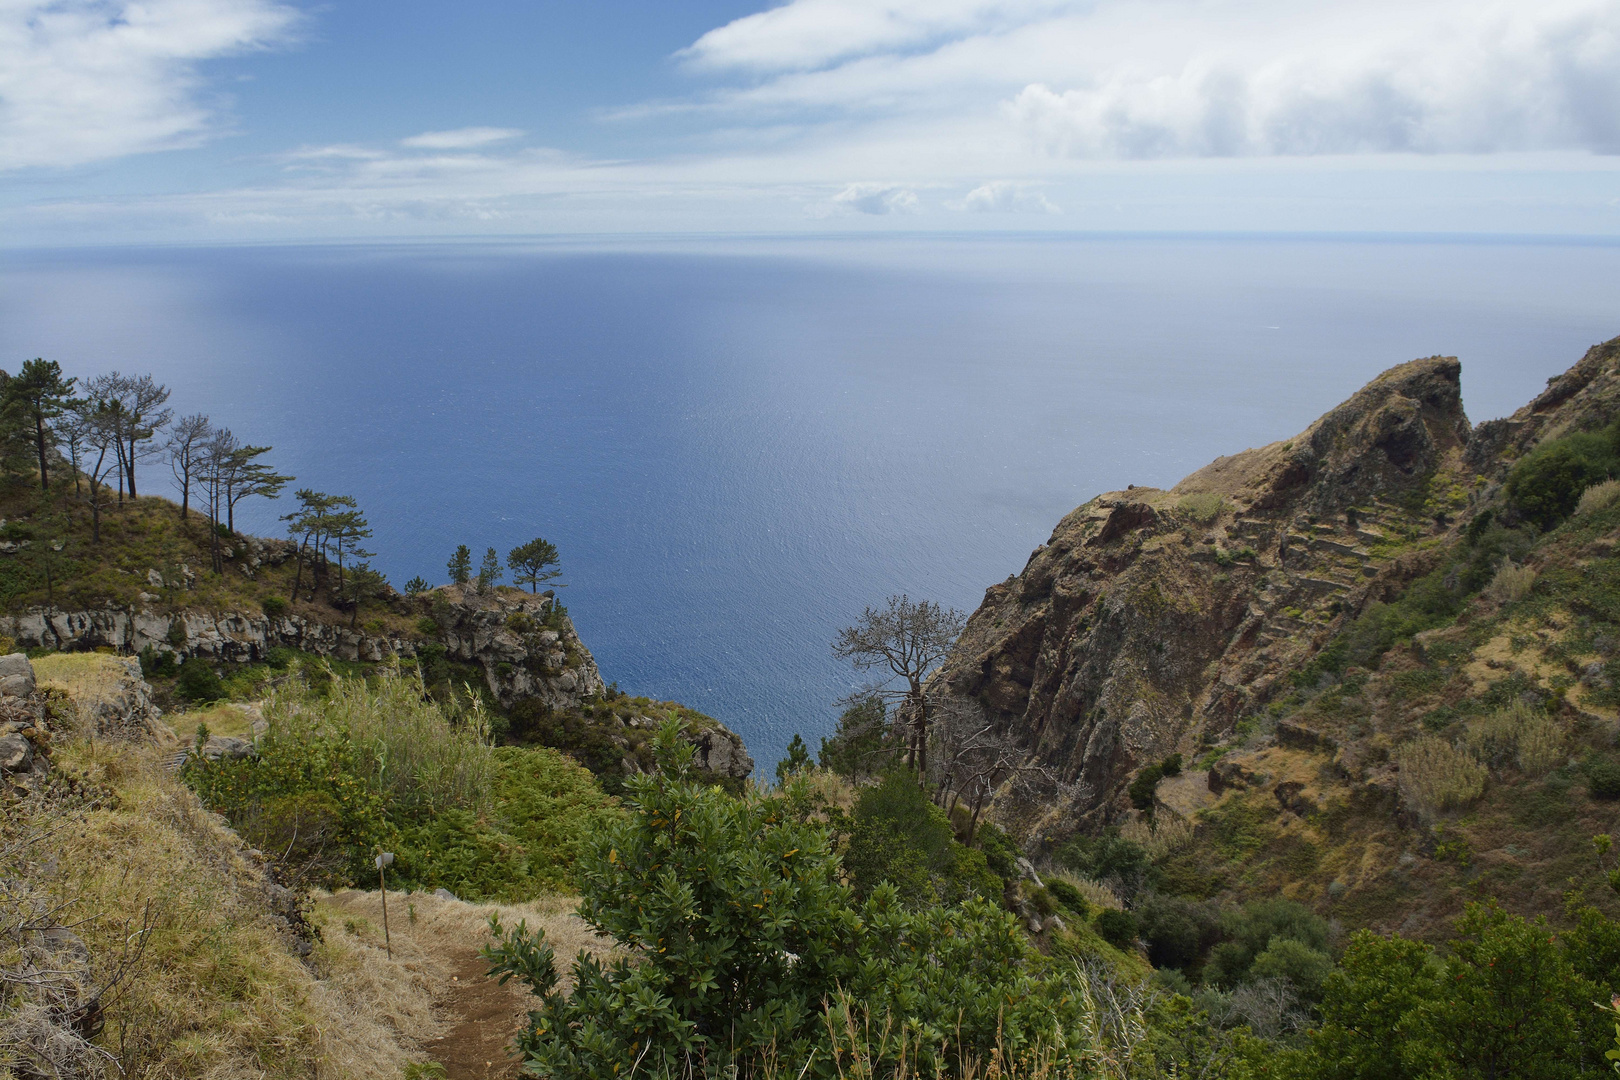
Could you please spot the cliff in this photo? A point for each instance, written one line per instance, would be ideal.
(525, 650)
(1155, 622)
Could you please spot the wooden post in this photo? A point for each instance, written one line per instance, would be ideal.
(383, 861)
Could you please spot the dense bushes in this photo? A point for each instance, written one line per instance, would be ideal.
(1545, 486)
(1504, 999)
(745, 952)
(376, 764)
(896, 835)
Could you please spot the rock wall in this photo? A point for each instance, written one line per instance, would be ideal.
(503, 634)
(1151, 617)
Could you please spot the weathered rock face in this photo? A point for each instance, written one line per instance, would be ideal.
(523, 654)
(25, 744)
(501, 633)
(1152, 616)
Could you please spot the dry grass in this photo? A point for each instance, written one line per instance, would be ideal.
(428, 929)
(1203, 506)
(1598, 497)
(1436, 776)
(1512, 582)
(1517, 735)
(226, 719)
(1096, 894)
(1165, 835)
(87, 678)
(217, 989)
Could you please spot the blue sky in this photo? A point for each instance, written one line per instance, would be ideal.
(226, 120)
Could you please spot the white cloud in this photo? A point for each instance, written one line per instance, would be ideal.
(459, 139)
(1006, 197)
(877, 199)
(811, 33)
(1195, 78)
(85, 80)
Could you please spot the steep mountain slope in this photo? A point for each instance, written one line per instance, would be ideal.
(1229, 619)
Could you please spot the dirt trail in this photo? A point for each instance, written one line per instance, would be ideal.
(438, 941)
(485, 1015)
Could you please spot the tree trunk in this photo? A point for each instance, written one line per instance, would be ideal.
(39, 438)
(185, 492)
(920, 729)
(130, 464)
(298, 563)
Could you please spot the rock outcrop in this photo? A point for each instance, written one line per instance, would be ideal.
(1153, 618)
(25, 741)
(522, 650)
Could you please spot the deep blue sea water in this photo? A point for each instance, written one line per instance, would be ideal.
(737, 445)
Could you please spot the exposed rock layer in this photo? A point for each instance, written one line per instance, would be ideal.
(1151, 617)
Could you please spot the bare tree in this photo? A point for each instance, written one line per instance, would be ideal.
(908, 640)
(72, 434)
(972, 760)
(99, 424)
(141, 417)
(187, 439)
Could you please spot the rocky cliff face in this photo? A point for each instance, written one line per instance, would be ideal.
(1154, 619)
(521, 649)
(524, 650)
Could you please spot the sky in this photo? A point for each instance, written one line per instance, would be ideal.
(292, 120)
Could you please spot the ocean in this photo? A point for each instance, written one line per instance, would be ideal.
(738, 444)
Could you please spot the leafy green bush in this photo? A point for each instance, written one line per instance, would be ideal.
(897, 835)
(1118, 928)
(373, 763)
(197, 682)
(1000, 853)
(864, 744)
(1110, 859)
(274, 606)
(1147, 781)
(1603, 778)
(1250, 932)
(1502, 1000)
(155, 664)
(553, 807)
(743, 949)
(1176, 930)
(1545, 486)
(1069, 896)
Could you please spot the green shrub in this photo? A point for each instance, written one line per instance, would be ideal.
(1176, 930)
(197, 682)
(1253, 929)
(553, 807)
(1603, 778)
(155, 664)
(1147, 781)
(274, 606)
(280, 657)
(864, 744)
(742, 949)
(1070, 897)
(1118, 928)
(897, 835)
(1000, 853)
(1109, 859)
(1546, 484)
(385, 764)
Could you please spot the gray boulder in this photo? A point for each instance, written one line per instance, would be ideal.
(16, 676)
(16, 753)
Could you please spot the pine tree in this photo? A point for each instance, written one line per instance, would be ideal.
(489, 571)
(460, 565)
(38, 395)
(530, 563)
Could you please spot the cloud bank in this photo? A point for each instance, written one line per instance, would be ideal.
(86, 80)
(1137, 79)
